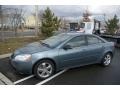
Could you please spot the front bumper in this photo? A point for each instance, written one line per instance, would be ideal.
(22, 67)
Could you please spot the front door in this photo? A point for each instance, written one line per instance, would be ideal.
(75, 54)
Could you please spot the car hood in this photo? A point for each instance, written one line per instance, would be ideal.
(31, 48)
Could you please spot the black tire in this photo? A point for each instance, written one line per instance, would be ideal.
(37, 73)
(106, 62)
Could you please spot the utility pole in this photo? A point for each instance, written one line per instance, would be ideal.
(1, 23)
(36, 21)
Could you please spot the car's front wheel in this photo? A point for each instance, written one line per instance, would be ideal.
(107, 59)
(44, 69)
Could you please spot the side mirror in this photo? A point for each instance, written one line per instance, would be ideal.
(66, 47)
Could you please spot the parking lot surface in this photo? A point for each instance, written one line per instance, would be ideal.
(86, 75)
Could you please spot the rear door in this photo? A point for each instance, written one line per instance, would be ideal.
(94, 49)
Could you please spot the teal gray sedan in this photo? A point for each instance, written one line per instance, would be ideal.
(62, 51)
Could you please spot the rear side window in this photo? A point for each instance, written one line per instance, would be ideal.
(93, 40)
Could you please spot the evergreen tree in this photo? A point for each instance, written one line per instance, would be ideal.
(50, 23)
(112, 25)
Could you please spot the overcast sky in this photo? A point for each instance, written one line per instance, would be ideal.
(75, 10)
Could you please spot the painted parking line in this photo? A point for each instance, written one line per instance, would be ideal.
(23, 79)
(50, 78)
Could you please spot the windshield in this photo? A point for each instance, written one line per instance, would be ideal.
(56, 40)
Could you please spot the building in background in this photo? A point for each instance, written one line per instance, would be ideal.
(30, 22)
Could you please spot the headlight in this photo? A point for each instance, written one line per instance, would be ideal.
(23, 57)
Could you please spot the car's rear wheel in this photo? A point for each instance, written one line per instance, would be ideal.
(44, 69)
(107, 59)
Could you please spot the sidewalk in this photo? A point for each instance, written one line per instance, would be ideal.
(5, 55)
(4, 80)
(2, 83)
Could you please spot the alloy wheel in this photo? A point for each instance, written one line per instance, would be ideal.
(44, 70)
(107, 59)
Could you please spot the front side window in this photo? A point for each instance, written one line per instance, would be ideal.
(77, 42)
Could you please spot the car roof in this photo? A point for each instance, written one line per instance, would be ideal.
(74, 33)
(78, 34)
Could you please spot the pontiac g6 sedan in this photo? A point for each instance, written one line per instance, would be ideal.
(66, 50)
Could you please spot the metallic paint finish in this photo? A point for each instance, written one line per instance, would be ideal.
(79, 56)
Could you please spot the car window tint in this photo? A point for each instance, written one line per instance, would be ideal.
(77, 41)
(93, 40)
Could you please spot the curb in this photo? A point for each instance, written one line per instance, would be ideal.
(5, 55)
(20, 37)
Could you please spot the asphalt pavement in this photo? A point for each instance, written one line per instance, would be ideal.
(86, 75)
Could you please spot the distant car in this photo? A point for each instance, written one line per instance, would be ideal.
(66, 50)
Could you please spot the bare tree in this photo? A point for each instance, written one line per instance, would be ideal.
(11, 18)
(17, 19)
